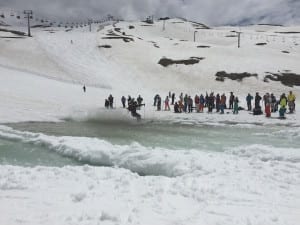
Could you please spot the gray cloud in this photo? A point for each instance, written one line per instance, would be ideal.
(217, 12)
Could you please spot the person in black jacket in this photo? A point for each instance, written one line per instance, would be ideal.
(257, 100)
(231, 100)
(132, 107)
(123, 100)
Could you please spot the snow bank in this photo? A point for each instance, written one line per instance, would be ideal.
(146, 160)
(236, 191)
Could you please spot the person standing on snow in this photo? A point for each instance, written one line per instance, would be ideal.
(268, 110)
(218, 100)
(273, 103)
(190, 104)
(291, 102)
(180, 104)
(123, 100)
(257, 100)
(155, 99)
(283, 103)
(210, 103)
(158, 103)
(167, 106)
(185, 101)
(231, 100)
(84, 88)
(111, 101)
(222, 103)
(176, 108)
(201, 103)
(106, 104)
(197, 102)
(173, 98)
(249, 98)
(139, 102)
(236, 105)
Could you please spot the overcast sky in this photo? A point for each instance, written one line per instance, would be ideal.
(211, 12)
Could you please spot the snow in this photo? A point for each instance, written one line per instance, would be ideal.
(42, 79)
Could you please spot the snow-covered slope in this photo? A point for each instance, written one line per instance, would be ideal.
(41, 80)
(131, 67)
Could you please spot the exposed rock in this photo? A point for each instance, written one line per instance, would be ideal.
(261, 44)
(166, 62)
(287, 79)
(220, 76)
(288, 32)
(104, 46)
(125, 39)
(203, 46)
(13, 32)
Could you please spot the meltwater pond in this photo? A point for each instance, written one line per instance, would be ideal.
(96, 142)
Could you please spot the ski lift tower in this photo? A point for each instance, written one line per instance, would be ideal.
(239, 38)
(28, 14)
(195, 35)
(90, 21)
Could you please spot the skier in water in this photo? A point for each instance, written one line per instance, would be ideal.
(291, 102)
(132, 107)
